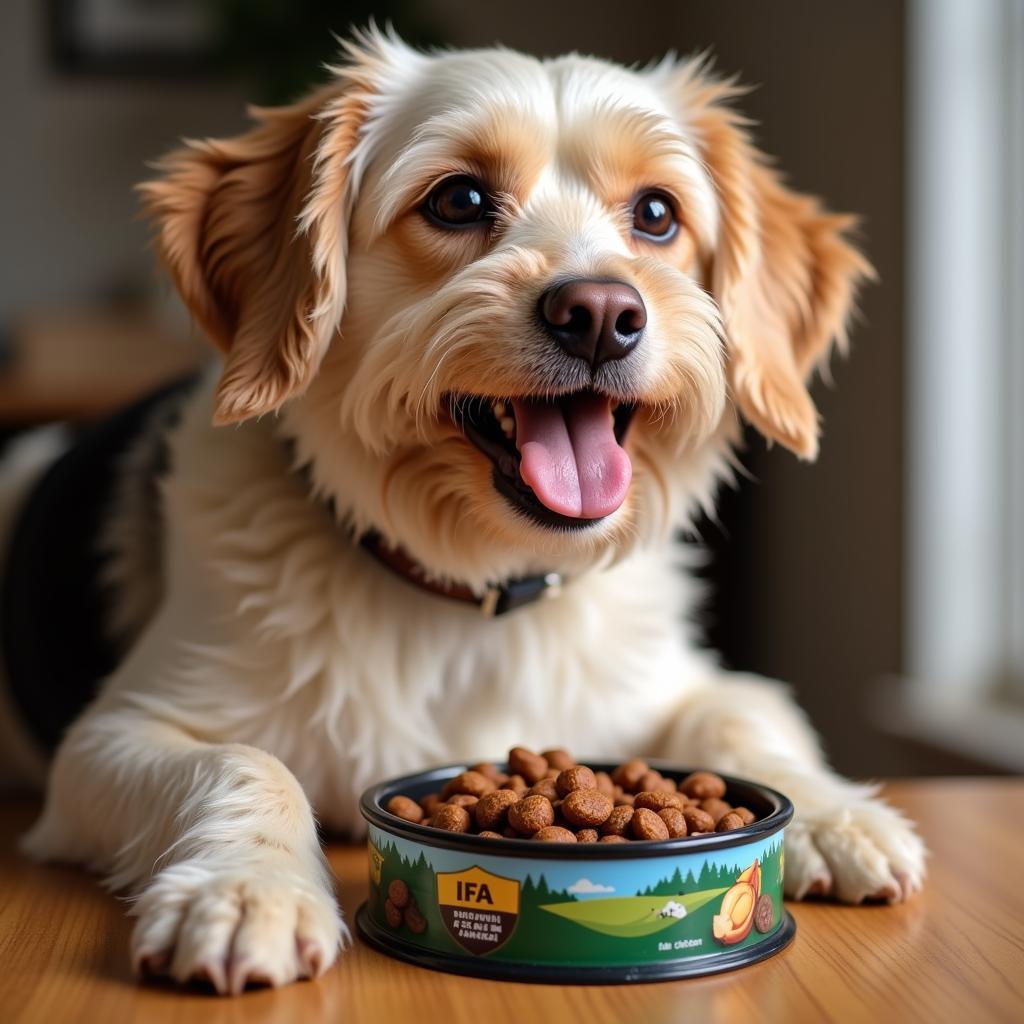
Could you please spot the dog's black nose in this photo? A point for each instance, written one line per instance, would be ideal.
(594, 320)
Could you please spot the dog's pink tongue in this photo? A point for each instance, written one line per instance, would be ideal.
(570, 457)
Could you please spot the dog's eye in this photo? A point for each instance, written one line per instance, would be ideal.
(654, 217)
(458, 202)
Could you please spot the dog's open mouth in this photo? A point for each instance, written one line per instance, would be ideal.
(560, 460)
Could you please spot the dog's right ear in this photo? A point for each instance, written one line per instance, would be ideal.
(254, 232)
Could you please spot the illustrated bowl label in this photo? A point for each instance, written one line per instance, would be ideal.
(569, 911)
(478, 908)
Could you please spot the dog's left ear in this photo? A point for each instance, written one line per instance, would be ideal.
(783, 273)
(254, 232)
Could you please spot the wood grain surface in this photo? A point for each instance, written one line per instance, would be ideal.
(954, 953)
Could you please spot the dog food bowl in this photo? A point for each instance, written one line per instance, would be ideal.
(567, 912)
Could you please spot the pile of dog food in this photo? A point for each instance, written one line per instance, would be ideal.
(550, 798)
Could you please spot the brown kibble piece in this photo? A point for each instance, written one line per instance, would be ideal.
(645, 824)
(577, 777)
(546, 787)
(586, 807)
(516, 783)
(650, 781)
(471, 783)
(531, 814)
(604, 783)
(613, 839)
(405, 808)
(716, 808)
(489, 771)
(703, 785)
(525, 762)
(392, 914)
(491, 810)
(629, 774)
(488, 834)
(698, 820)
(618, 821)
(674, 822)
(463, 800)
(414, 920)
(746, 814)
(558, 758)
(430, 804)
(587, 835)
(625, 800)
(554, 834)
(764, 913)
(451, 818)
(657, 801)
(398, 893)
(729, 822)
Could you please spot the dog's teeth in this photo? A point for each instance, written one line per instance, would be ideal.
(499, 409)
(508, 426)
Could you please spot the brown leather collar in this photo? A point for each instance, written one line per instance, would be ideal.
(496, 600)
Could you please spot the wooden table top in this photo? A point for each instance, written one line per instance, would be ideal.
(954, 953)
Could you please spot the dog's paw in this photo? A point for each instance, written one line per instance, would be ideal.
(234, 927)
(864, 851)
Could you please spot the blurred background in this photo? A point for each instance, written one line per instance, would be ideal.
(887, 582)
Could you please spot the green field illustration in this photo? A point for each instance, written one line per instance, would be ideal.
(628, 916)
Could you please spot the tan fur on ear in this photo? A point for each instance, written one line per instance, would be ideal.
(784, 275)
(253, 231)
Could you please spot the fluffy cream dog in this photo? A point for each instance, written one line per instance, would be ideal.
(504, 313)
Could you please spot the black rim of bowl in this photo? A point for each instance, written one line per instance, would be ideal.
(371, 806)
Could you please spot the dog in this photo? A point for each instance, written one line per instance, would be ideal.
(489, 326)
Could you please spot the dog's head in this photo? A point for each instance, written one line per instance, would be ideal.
(507, 306)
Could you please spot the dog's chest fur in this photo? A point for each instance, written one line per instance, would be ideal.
(279, 631)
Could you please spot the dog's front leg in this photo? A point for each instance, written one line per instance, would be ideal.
(217, 843)
(844, 840)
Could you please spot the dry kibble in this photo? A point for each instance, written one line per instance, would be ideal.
(451, 818)
(716, 808)
(586, 807)
(698, 820)
(551, 798)
(617, 823)
(463, 800)
(491, 810)
(405, 808)
(645, 824)
(546, 787)
(558, 758)
(516, 783)
(489, 771)
(629, 774)
(531, 814)
(674, 822)
(554, 834)
(398, 893)
(472, 783)
(577, 777)
(658, 801)
(729, 822)
(525, 762)
(703, 785)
